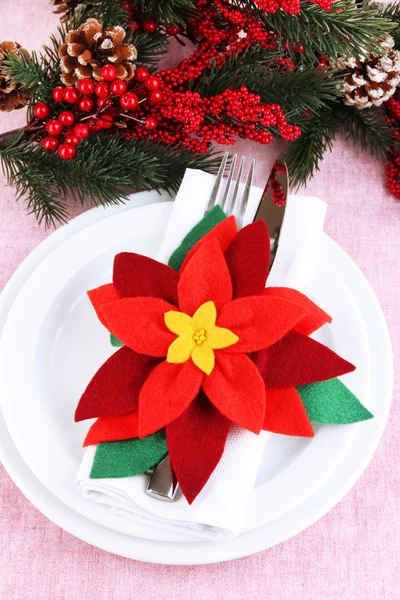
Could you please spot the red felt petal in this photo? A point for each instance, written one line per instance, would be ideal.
(102, 295)
(137, 275)
(196, 441)
(299, 360)
(285, 413)
(139, 324)
(224, 233)
(247, 257)
(112, 429)
(314, 317)
(168, 391)
(114, 390)
(206, 277)
(237, 390)
(259, 321)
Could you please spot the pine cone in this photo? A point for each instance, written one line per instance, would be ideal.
(373, 80)
(12, 95)
(90, 47)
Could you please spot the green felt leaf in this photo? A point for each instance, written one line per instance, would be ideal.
(332, 402)
(129, 457)
(115, 341)
(211, 219)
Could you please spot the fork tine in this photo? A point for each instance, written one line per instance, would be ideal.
(217, 184)
(246, 193)
(229, 181)
(230, 209)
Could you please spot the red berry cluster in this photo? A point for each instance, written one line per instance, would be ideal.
(136, 23)
(292, 7)
(392, 169)
(278, 195)
(93, 107)
(188, 118)
(161, 107)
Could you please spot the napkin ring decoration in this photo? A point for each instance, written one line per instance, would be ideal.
(206, 345)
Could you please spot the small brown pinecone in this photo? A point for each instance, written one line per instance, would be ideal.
(12, 95)
(90, 47)
(373, 80)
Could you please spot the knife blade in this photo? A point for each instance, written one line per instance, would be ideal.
(271, 208)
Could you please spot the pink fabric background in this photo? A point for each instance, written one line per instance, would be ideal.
(350, 554)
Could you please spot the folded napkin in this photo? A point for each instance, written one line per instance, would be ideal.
(218, 510)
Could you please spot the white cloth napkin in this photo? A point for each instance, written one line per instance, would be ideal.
(218, 511)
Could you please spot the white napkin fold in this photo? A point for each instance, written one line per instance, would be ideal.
(218, 511)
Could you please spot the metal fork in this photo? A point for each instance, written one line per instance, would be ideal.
(162, 484)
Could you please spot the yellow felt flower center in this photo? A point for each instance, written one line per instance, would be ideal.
(200, 336)
(197, 337)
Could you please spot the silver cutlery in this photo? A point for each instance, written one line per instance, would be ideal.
(271, 213)
(162, 484)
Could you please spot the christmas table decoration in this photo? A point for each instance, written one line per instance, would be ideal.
(207, 346)
(107, 117)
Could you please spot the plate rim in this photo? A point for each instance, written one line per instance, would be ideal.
(244, 549)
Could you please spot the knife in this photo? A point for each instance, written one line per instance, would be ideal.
(271, 208)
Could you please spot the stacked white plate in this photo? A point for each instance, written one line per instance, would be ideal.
(51, 344)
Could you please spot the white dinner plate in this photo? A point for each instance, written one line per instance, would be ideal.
(61, 332)
(64, 344)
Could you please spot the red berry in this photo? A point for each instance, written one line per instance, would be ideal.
(67, 151)
(58, 93)
(81, 130)
(133, 26)
(150, 123)
(155, 97)
(86, 104)
(95, 127)
(41, 110)
(109, 72)
(70, 95)
(149, 25)
(54, 127)
(118, 87)
(141, 74)
(106, 121)
(66, 118)
(71, 138)
(299, 48)
(152, 83)
(50, 143)
(129, 101)
(173, 29)
(86, 86)
(102, 89)
(101, 102)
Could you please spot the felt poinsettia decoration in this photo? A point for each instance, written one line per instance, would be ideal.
(205, 345)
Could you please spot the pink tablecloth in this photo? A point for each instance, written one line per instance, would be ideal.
(352, 553)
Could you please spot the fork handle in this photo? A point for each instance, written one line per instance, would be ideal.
(162, 484)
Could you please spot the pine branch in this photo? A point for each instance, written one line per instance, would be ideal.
(33, 181)
(177, 12)
(347, 29)
(392, 11)
(37, 74)
(150, 46)
(108, 12)
(306, 152)
(296, 91)
(365, 127)
(368, 128)
(105, 170)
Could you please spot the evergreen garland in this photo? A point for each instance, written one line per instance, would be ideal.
(108, 166)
